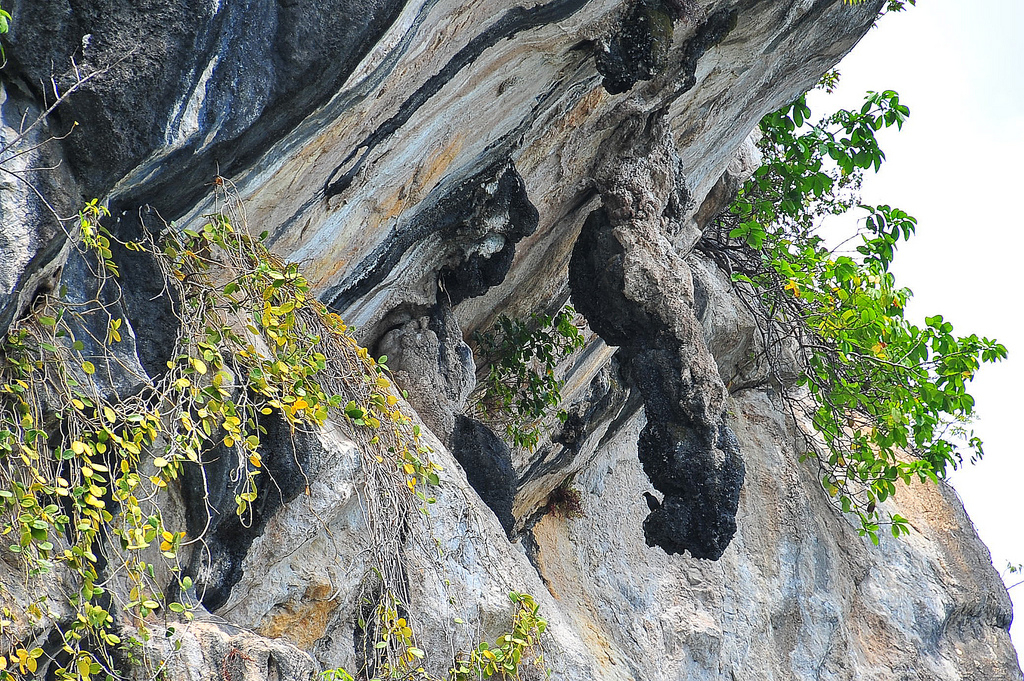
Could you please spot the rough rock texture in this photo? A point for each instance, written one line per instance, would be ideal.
(212, 651)
(796, 595)
(32, 245)
(636, 292)
(435, 366)
(434, 164)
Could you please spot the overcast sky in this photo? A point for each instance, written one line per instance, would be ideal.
(955, 166)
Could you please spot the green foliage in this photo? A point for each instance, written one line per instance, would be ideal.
(504, 657)
(521, 388)
(888, 397)
(891, 5)
(260, 323)
(81, 466)
(5, 26)
(82, 469)
(337, 674)
(1016, 571)
(812, 170)
(59, 492)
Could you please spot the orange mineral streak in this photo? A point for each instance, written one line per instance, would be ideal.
(303, 621)
(562, 129)
(560, 570)
(340, 254)
(424, 178)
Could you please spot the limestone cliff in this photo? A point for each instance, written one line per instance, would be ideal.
(434, 164)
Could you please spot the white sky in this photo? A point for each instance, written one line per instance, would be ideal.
(959, 66)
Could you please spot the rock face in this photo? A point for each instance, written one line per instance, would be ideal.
(434, 164)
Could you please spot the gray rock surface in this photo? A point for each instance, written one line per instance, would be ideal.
(797, 595)
(434, 164)
(214, 651)
(434, 365)
(36, 192)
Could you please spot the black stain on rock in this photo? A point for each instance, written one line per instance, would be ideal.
(499, 220)
(701, 481)
(480, 221)
(595, 268)
(151, 305)
(220, 81)
(687, 450)
(487, 461)
(710, 33)
(638, 49)
(532, 550)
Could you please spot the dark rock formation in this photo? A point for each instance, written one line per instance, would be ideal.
(701, 481)
(488, 465)
(638, 50)
(210, 511)
(639, 47)
(480, 221)
(189, 89)
(636, 293)
(488, 226)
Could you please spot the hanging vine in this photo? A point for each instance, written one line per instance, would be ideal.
(82, 464)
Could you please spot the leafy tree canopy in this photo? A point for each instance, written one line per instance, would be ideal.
(888, 397)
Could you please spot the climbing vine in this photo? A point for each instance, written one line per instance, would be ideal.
(888, 398)
(88, 441)
(502, 659)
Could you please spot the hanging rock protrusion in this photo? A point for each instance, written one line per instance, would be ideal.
(636, 291)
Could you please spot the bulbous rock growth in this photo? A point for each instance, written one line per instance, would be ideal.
(636, 292)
